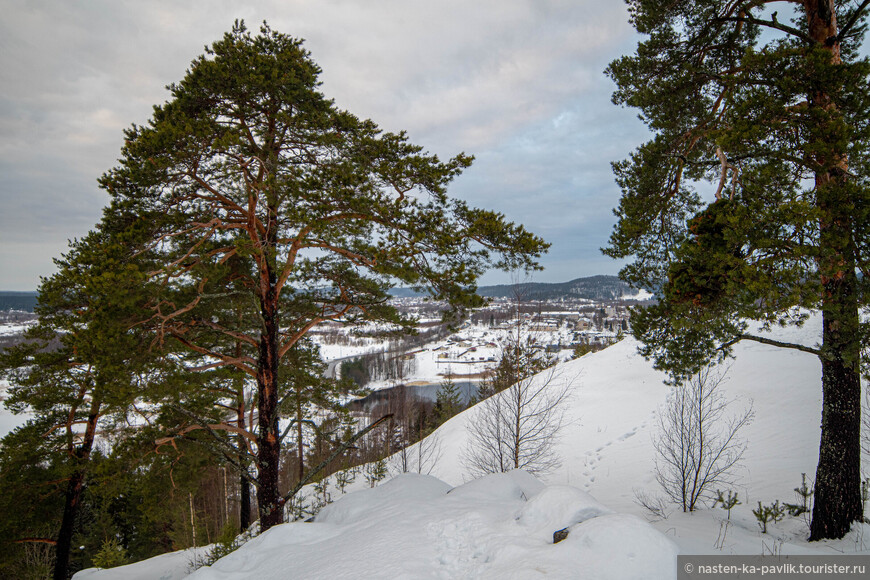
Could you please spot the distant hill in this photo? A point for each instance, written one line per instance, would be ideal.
(590, 288)
(25, 301)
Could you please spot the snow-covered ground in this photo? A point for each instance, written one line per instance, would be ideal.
(417, 526)
(171, 566)
(448, 526)
(11, 328)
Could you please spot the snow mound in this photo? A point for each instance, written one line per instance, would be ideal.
(416, 527)
(362, 506)
(615, 546)
(558, 507)
(171, 566)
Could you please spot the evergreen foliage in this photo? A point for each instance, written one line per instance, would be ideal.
(448, 401)
(774, 117)
(768, 513)
(85, 363)
(727, 502)
(111, 555)
(227, 543)
(376, 472)
(804, 495)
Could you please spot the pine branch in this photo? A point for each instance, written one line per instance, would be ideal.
(771, 342)
(855, 17)
(201, 423)
(292, 423)
(772, 23)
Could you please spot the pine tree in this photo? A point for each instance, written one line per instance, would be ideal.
(448, 401)
(85, 363)
(376, 471)
(249, 161)
(774, 115)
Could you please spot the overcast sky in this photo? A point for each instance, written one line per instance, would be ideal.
(517, 83)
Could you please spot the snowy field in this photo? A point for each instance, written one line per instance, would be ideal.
(13, 328)
(449, 526)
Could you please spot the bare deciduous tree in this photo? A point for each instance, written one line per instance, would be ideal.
(698, 445)
(420, 457)
(518, 427)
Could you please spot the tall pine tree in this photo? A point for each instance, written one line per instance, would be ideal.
(249, 161)
(768, 115)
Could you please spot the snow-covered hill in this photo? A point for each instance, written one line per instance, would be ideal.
(502, 526)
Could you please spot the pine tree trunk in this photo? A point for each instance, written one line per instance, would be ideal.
(268, 446)
(837, 499)
(300, 443)
(64, 537)
(244, 504)
(244, 484)
(73, 497)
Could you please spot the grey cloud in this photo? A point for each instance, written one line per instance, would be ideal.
(518, 83)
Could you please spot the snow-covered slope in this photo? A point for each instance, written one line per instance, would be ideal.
(502, 526)
(606, 444)
(607, 450)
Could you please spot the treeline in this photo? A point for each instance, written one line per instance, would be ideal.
(599, 288)
(17, 301)
(378, 366)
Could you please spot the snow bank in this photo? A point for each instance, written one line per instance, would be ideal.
(417, 526)
(171, 566)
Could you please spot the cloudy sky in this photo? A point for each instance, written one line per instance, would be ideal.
(517, 83)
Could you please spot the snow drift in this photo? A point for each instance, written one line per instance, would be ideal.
(417, 526)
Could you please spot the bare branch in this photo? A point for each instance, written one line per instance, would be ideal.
(697, 445)
(35, 541)
(341, 449)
